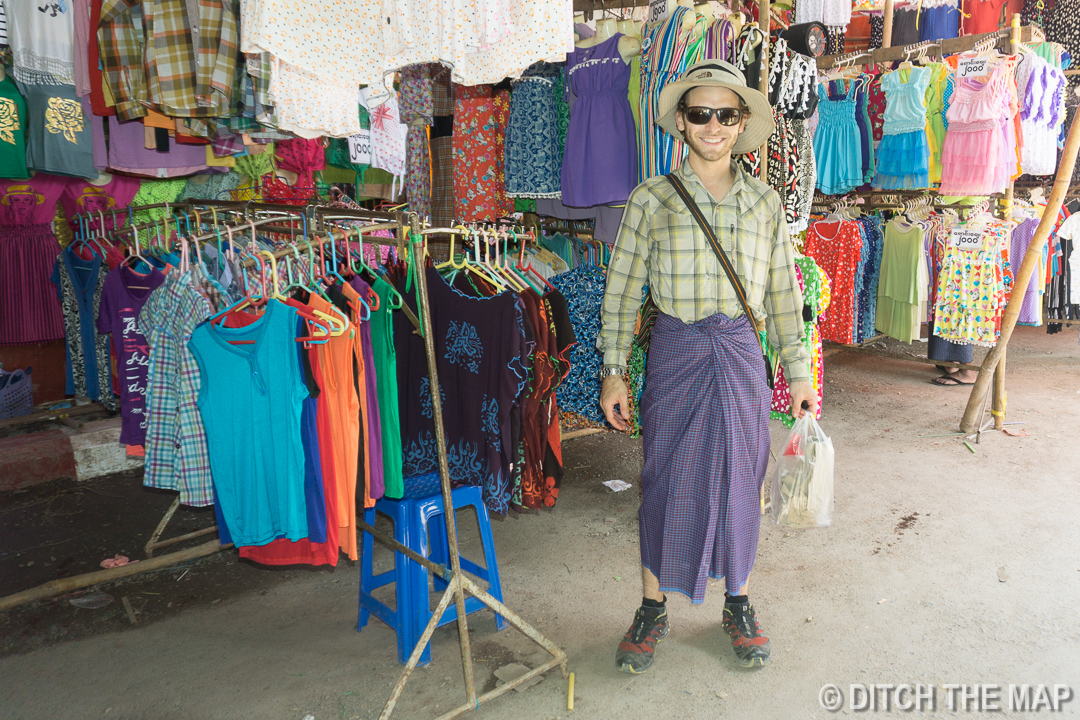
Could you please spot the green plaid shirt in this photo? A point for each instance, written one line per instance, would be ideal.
(661, 245)
(160, 63)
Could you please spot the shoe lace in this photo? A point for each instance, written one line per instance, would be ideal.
(643, 624)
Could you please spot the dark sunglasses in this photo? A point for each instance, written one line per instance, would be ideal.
(725, 116)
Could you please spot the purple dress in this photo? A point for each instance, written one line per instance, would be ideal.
(600, 158)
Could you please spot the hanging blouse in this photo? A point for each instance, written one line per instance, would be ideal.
(837, 249)
(480, 119)
(250, 398)
(483, 370)
(1041, 89)
(176, 452)
(416, 109)
(13, 121)
(971, 290)
(533, 148)
(303, 157)
(28, 251)
(79, 283)
(42, 43)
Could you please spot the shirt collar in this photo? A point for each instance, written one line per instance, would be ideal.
(686, 171)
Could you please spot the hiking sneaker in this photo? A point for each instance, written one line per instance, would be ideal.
(635, 653)
(741, 625)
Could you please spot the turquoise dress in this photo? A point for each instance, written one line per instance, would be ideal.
(251, 397)
(904, 154)
(837, 144)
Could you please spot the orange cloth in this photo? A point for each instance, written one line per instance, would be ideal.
(335, 359)
(361, 383)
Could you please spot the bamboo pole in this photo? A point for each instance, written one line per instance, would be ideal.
(75, 582)
(970, 421)
(886, 35)
(1000, 399)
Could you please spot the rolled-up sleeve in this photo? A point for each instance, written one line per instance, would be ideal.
(626, 275)
(783, 308)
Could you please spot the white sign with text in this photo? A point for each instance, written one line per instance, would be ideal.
(966, 239)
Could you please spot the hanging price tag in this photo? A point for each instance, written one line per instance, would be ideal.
(973, 67)
(966, 239)
(360, 148)
(658, 10)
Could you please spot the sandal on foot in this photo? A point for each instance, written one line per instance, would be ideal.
(949, 380)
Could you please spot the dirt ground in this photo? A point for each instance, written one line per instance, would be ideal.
(942, 566)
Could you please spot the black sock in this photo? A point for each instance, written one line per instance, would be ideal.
(658, 604)
(735, 599)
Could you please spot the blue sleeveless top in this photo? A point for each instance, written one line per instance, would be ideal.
(251, 399)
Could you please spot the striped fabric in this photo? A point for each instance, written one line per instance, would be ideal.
(29, 307)
(705, 413)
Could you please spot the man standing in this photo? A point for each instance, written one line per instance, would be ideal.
(705, 406)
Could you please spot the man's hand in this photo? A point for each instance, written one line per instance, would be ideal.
(613, 392)
(803, 392)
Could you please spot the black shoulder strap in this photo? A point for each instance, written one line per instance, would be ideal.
(715, 243)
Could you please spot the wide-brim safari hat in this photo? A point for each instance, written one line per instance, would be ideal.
(717, 73)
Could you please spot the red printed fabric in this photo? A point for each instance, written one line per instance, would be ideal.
(875, 107)
(837, 248)
(481, 115)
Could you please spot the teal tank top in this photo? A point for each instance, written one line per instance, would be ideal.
(251, 397)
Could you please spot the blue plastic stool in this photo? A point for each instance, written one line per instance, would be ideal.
(419, 525)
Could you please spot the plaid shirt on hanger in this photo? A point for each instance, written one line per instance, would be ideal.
(161, 65)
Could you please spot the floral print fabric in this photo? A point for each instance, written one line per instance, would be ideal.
(480, 117)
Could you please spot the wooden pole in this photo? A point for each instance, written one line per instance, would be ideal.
(75, 582)
(1000, 400)
(886, 35)
(970, 421)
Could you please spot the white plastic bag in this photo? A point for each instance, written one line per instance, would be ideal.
(802, 489)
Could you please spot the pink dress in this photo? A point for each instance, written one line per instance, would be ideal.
(979, 153)
(29, 306)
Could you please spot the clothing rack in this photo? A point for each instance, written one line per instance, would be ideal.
(1007, 40)
(457, 582)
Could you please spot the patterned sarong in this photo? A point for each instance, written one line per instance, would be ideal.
(705, 414)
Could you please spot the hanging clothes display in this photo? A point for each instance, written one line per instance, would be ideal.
(903, 156)
(483, 369)
(250, 398)
(13, 130)
(534, 152)
(836, 246)
(122, 297)
(28, 251)
(480, 116)
(837, 144)
(176, 453)
(1041, 89)
(978, 156)
(971, 287)
(902, 289)
(416, 110)
(596, 169)
(79, 283)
